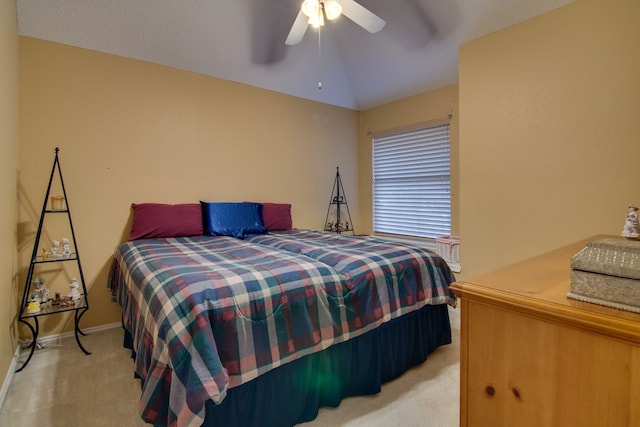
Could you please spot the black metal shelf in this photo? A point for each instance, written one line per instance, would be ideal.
(41, 260)
(51, 308)
(335, 221)
(46, 308)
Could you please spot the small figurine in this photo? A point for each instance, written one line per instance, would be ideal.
(57, 300)
(631, 228)
(40, 293)
(73, 290)
(45, 253)
(54, 250)
(338, 226)
(33, 307)
(66, 250)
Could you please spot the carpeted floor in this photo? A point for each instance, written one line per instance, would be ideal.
(63, 387)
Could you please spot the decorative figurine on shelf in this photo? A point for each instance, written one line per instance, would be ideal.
(338, 226)
(73, 290)
(40, 291)
(66, 251)
(45, 253)
(33, 307)
(631, 228)
(57, 299)
(55, 249)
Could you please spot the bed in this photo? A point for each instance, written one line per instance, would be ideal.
(263, 329)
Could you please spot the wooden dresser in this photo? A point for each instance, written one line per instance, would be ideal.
(532, 357)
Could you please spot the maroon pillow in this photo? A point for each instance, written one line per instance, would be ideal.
(277, 216)
(161, 220)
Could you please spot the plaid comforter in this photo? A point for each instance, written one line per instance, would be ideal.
(209, 313)
(385, 279)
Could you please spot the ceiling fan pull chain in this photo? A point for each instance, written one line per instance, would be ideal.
(319, 59)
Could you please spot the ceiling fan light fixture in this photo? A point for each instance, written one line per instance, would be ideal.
(332, 9)
(311, 8)
(313, 12)
(317, 20)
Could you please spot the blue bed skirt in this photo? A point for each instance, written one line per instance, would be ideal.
(294, 392)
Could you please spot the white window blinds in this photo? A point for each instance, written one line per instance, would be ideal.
(412, 182)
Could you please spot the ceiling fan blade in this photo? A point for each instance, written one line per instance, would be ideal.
(298, 29)
(362, 16)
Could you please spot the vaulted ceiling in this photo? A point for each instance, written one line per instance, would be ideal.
(244, 41)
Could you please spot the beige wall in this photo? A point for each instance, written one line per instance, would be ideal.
(415, 109)
(549, 131)
(8, 176)
(131, 131)
(544, 145)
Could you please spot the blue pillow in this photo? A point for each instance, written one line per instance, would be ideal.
(232, 219)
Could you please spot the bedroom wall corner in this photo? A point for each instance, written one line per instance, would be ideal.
(9, 99)
(549, 136)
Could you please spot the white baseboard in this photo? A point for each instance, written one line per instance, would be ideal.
(48, 340)
(9, 376)
(55, 339)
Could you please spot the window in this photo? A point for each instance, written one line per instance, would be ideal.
(412, 181)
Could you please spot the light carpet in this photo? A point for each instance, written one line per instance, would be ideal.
(63, 387)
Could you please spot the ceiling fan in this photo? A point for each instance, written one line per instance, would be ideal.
(313, 12)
